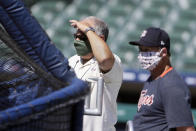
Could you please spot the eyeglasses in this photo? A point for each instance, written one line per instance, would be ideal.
(80, 35)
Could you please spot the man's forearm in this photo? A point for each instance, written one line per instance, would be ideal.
(101, 51)
(186, 128)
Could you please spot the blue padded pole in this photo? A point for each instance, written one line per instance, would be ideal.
(16, 34)
(51, 57)
(78, 116)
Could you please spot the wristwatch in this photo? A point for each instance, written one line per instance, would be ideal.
(89, 29)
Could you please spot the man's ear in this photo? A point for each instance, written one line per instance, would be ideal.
(163, 52)
(102, 37)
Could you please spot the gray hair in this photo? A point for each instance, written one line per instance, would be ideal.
(100, 26)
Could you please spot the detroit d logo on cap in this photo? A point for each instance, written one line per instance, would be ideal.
(162, 43)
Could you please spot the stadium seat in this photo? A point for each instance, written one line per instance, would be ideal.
(47, 11)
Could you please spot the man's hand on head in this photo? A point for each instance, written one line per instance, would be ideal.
(81, 26)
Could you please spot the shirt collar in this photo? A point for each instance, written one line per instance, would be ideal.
(165, 72)
(91, 61)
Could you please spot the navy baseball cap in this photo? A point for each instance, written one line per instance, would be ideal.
(153, 37)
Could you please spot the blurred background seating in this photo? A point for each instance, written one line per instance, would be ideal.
(126, 20)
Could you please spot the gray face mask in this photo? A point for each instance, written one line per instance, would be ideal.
(149, 60)
(82, 47)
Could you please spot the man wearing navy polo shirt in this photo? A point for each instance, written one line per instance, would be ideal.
(164, 103)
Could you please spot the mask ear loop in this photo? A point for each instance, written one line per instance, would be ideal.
(155, 63)
(160, 52)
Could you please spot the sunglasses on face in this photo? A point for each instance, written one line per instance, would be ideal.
(80, 36)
